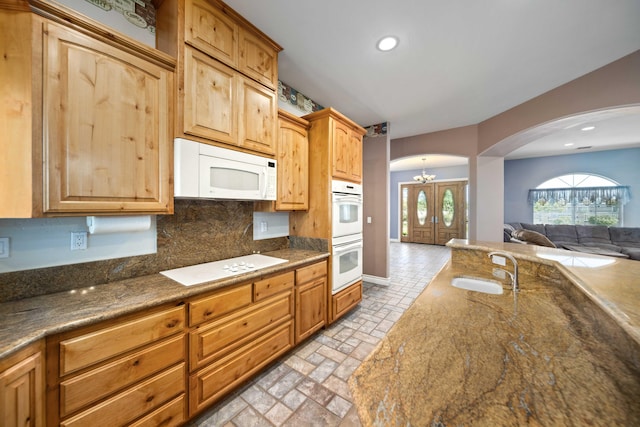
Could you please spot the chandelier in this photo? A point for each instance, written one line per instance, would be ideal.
(424, 177)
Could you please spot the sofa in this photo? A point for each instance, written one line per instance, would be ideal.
(621, 242)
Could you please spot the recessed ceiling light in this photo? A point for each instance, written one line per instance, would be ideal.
(586, 128)
(568, 144)
(387, 43)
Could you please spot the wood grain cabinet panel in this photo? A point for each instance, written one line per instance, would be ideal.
(169, 415)
(22, 389)
(210, 98)
(311, 300)
(258, 59)
(258, 112)
(107, 127)
(92, 386)
(220, 303)
(218, 338)
(345, 300)
(211, 31)
(292, 153)
(128, 405)
(85, 350)
(272, 285)
(214, 381)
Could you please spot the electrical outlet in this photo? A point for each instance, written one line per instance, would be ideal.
(78, 240)
(4, 247)
(499, 273)
(500, 260)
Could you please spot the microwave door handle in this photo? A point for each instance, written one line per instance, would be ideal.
(264, 182)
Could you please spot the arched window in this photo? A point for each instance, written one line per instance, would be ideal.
(579, 198)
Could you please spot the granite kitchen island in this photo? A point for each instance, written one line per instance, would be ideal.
(564, 350)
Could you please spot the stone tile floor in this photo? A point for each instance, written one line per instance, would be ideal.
(308, 386)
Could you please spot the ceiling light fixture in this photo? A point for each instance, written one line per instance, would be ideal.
(587, 128)
(387, 43)
(568, 144)
(424, 178)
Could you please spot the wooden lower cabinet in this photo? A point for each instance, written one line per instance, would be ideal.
(119, 372)
(22, 388)
(311, 299)
(228, 350)
(345, 300)
(213, 382)
(166, 364)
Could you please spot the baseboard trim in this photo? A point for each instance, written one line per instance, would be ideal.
(377, 280)
(394, 240)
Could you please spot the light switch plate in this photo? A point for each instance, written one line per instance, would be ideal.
(4, 247)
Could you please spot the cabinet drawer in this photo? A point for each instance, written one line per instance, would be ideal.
(99, 383)
(128, 405)
(213, 382)
(169, 415)
(222, 302)
(307, 274)
(267, 287)
(219, 338)
(343, 301)
(85, 350)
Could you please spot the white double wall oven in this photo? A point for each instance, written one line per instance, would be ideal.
(346, 249)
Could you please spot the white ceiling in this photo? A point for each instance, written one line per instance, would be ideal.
(458, 62)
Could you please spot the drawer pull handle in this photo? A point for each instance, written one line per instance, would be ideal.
(136, 363)
(208, 313)
(173, 323)
(149, 399)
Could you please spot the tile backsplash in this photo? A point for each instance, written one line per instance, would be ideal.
(199, 231)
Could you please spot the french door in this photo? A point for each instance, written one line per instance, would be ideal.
(433, 213)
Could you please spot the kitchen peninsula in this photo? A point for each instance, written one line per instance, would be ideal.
(565, 350)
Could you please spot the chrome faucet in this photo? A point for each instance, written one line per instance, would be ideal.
(514, 276)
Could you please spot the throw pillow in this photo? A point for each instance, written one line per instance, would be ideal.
(534, 237)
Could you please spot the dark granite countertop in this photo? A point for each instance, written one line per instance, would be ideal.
(24, 321)
(562, 351)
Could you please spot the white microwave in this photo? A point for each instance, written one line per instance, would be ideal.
(209, 172)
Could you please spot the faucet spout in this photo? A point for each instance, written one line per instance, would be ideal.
(514, 276)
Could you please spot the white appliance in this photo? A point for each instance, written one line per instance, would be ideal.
(347, 208)
(346, 246)
(210, 172)
(346, 261)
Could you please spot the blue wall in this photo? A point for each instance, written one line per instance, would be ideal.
(622, 166)
(454, 172)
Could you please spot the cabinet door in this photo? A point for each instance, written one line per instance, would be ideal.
(208, 29)
(355, 157)
(210, 98)
(311, 307)
(341, 151)
(257, 59)
(21, 393)
(107, 127)
(258, 117)
(293, 167)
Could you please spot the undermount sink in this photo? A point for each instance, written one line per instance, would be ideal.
(477, 285)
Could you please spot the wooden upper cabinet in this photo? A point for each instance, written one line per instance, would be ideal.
(211, 31)
(293, 162)
(342, 137)
(210, 98)
(227, 75)
(258, 117)
(106, 125)
(258, 59)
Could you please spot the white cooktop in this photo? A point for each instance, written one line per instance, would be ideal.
(209, 271)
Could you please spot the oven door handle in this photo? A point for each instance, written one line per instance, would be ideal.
(346, 248)
(348, 199)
